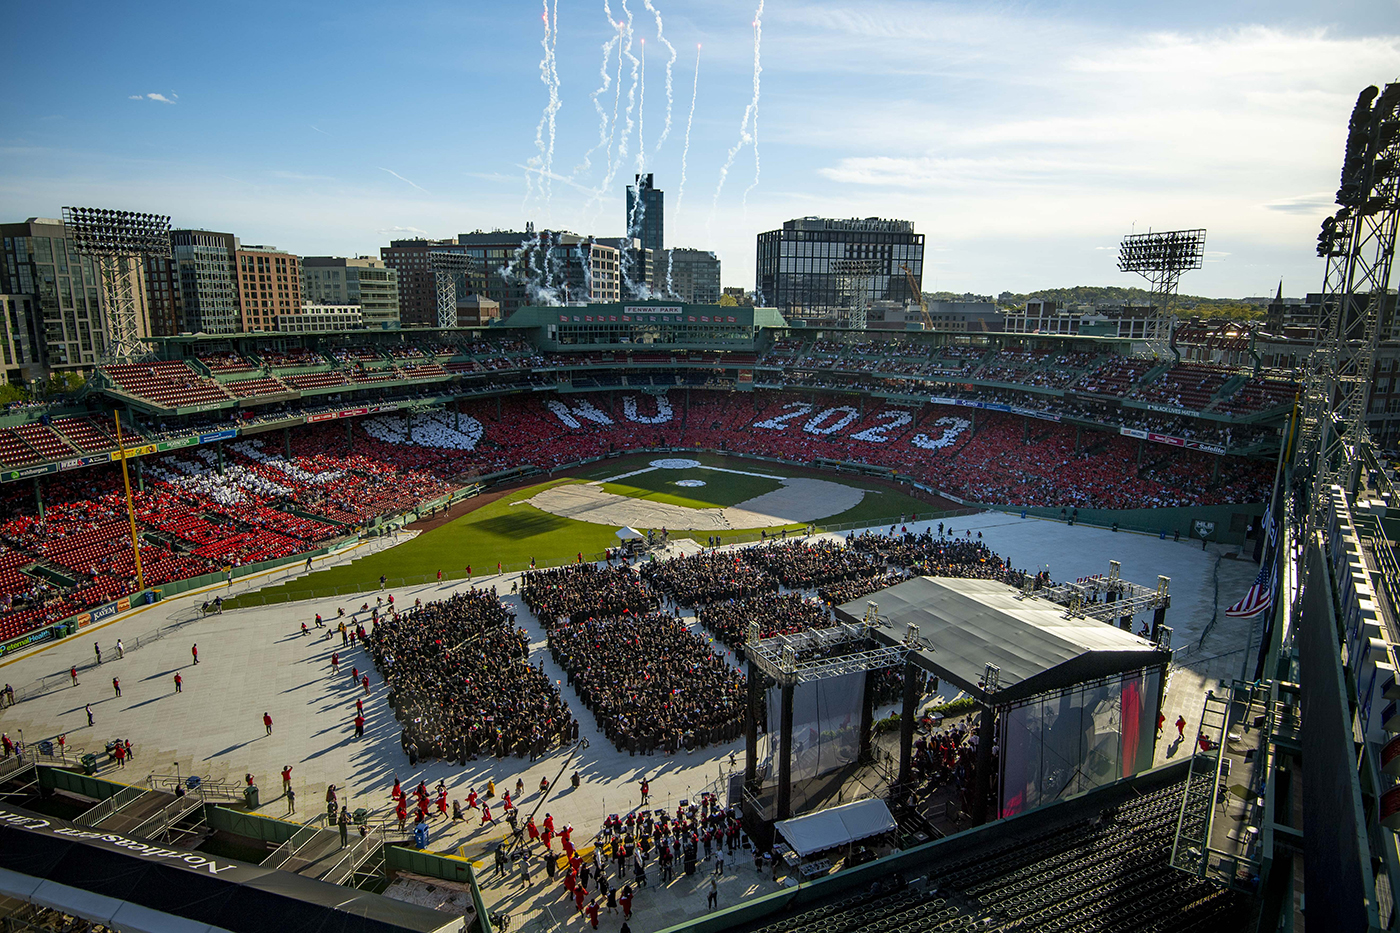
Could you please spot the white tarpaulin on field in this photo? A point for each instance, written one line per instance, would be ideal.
(628, 533)
(836, 826)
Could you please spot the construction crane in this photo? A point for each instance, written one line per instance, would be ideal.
(919, 296)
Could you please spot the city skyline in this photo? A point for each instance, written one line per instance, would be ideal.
(1023, 143)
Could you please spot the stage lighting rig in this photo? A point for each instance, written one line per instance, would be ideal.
(1358, 244)
(116, 240)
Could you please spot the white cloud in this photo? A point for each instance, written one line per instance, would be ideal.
(1319, 202)
(401, 231)
(162, 98)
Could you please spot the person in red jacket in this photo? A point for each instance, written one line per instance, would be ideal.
(267, 723)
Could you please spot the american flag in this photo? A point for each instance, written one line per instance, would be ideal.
(1259, 597)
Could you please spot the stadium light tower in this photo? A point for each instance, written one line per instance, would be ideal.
(1161, 258)
(855, 278)
(1358, 244)
(115, 239)
(447, 266)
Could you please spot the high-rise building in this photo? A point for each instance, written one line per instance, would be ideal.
(163, 296)
(269, 285)
(19, 339)
(646, 213)
(819, 269)
(417, 285)
(692, 275)
(640, 272)
(363, 281)
(68, 321)
(207, 268)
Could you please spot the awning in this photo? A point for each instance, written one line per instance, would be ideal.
(628, 533)
(836, 826)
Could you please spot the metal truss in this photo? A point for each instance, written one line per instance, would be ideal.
(789, 659)
(1080, 597)
(119, 242)
(120, 275)
(855, 277)
(447, 266)
(1358, 243)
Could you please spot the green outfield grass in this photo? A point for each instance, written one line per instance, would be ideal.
(721, 489)
(514, 534)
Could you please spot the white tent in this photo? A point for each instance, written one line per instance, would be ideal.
(628, 533)
(836, 826)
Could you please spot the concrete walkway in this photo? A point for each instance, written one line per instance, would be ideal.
(256, 660)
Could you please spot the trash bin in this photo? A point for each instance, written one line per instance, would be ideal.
(420, 835)
(360, 815)
(89, 763)
(46, 748)
(250, 796)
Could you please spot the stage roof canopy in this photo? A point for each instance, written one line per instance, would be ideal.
(964, 625)
(836, 826)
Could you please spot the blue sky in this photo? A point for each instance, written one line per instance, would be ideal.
(1023, 139)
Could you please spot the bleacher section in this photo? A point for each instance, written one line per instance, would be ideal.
(248, 388)
(192, 519)
(1100, 872)
(84, 434)
(170, 384)
(1115, 377)
(1185, 385)
(315, 380)
(1259, 395)
(194, 516)
(227, 363)
(14, 451)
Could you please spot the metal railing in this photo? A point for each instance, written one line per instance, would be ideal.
(105, 808)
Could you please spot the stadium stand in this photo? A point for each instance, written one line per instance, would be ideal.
(172, 384)
(84, 434)
(1073, 868)
(263, 385)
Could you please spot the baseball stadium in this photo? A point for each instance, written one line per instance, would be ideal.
(624, 591)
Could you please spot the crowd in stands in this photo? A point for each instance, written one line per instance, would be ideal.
(580, 591)
(192, 519)
(707, 577)
(844, 591)
(652, 684)
(808, 564)
(341, 478)
(1186, 385)
(787, 614)
(461, 683)
(937, 555)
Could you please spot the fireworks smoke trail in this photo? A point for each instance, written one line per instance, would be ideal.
(608, 46)
(750, 112)
(757, 72)
(690, 120)
(685, 156)
(543, 161)
(628, 116)
(661, 37)
(641, 107)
